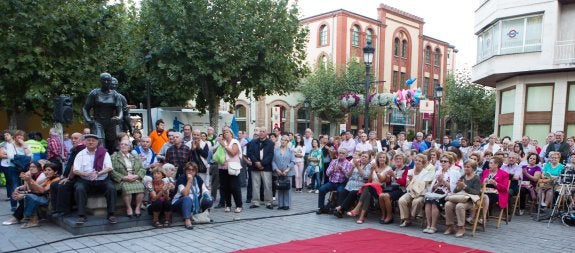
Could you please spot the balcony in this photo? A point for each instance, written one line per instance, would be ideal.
(564, 52)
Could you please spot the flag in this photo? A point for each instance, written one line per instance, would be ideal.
(234, 126)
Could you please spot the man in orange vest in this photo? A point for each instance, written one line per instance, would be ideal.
(159, 136)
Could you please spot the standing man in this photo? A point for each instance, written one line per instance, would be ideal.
(560, 146)
(243, 149)
(348, 145)
(178, 154)
(56, 151)
(159, 136)
(187, 135)
(527, 146)
(261, 158)
(211, 137)
(199, 154)
(250, 147)
(93, 165)
(62, 192)
(162, 154)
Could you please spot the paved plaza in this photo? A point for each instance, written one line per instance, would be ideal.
(261, 226)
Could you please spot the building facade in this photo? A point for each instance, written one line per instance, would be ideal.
(526, 51)
(402, 51)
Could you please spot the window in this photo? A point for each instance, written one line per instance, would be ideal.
(396, 47)
(425, 86)
(537, 131)
(302, 120)
(355, 36)
(325, 128)
(323, 35)
(571, 98)
(510, 36)
(427, 55)
(570, 130)
(404, 48)
(402, 79)
(241, 119)
(395, 81)
(507, 130)
(369, 36)
(507, 102)
(436, 57)
(539, 98)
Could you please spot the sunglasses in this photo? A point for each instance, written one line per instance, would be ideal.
(444, 161)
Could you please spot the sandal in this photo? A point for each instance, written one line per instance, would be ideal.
(351, 213)
(157, 224)
(359, 222)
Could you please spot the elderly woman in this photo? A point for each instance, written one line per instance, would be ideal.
(160, 192)
(551, 170)
(189, 189)
(418, 180)
(497, 182)
(128, 174)
(356, 177)
(445, 182)
(283, 166)
(374, 142)
(13, 145)
(229, 181)
(468, 187)
(531, 174)
(395, 183)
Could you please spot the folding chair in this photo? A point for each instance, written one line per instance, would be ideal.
(506, 209)
(478, 207)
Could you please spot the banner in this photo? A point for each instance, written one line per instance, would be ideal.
(427, 106)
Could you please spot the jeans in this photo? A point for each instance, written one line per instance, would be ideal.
(324, 189)
(184, 206)
(12, 182)
(32, 202)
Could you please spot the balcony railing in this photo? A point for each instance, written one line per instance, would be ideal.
(564, 52)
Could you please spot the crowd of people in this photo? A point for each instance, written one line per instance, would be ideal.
(188, 172)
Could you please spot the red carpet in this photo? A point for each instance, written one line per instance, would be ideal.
(363, 240)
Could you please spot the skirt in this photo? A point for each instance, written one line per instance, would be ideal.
(132, 187)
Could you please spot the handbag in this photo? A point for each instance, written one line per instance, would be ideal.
(459, 197)
(234, 168)
(22, 162)
(437, 194)
(391, 188)
(220, 155)
(545, 183)
(201, 218)
(283, 183)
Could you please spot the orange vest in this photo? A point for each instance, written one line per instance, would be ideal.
(158, 140)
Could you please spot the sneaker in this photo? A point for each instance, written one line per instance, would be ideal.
(310, 191)
(112, 219)
(228, 209)
(316, 191)
(81, 220)
(238, 210)
(521, 212)
(11, 221)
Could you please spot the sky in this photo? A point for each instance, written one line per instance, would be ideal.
(446, 20)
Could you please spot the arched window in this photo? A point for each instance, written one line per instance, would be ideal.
(241, 117)
(396, 47)
(404, 49)
(369, 36)
(427, 55)
(436, 57)
(355, 36)
(323, 35)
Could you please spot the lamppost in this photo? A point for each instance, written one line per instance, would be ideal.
(367, 59)
(438, 95)
(148, 62)
(307, 105)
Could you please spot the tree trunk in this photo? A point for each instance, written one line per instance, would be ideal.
(214, 112)
(12, 120)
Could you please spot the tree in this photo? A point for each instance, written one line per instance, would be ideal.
(326, 84)
(470, 105)
(210, 50)
(51, 48)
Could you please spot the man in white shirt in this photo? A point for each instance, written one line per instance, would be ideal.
(307, 138)
(93, 165)
(349, 145)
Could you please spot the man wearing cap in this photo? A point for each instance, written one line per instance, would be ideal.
(93, 166)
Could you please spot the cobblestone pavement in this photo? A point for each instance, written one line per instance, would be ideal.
(260, 227)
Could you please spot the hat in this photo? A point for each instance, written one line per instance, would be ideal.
(91, 136)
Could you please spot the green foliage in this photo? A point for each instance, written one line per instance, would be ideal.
(209, 50)
(52, 48)
(326, 84)
(470, 105)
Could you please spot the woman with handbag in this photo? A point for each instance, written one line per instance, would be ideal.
(282, 165)
(356, 178)
(395, 183)
(128, 174)
(445, 182)
(551, 171)
(418, 180)
(531, 174)
(229, 172)
(496, 183)
(13, 146)
(468, 188)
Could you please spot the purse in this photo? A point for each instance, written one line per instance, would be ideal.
(234, 168)
(201, 218)
(460, 197)
(22, 162)
(438, 194)
(283, 183)
(220, 155)
(545, 183)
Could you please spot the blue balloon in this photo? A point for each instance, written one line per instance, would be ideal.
(410, 81)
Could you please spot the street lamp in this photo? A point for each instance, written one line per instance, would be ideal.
(438, 95)
(148, 62)
(368, 60)
(307, 105)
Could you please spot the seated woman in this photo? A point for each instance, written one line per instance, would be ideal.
(551, 170)
(418, 180)
(395, 182)
(468, 188)
(444, 182)
(189, 188)
(356, 178)
(497, 182)
(35, 172)
(160, 192)
(128, 174)
(34, 194)
(531, 174)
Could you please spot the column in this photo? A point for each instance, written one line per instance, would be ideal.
(519, 114)
(559, 105)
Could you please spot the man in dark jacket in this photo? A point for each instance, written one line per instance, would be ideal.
(261, 156)
(560, 146)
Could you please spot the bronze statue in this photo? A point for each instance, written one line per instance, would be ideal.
(126, 122)
(106, 106)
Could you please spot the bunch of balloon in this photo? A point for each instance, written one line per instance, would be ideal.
(407, 99)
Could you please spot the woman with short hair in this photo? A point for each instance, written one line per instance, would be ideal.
(128, 173)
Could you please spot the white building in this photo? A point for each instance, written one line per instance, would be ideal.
(526, 51)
